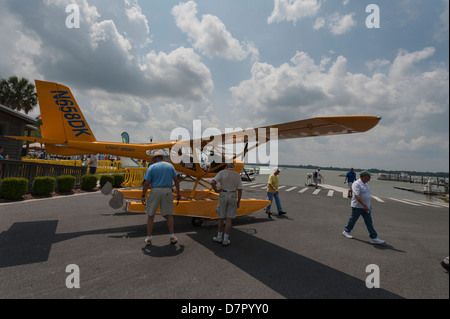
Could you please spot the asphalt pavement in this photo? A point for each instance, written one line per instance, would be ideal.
(301, 255)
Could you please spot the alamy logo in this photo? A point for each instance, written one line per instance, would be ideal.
(255, 145)
(73, 19)
(373, 280)
(73, 280)
(373, 20)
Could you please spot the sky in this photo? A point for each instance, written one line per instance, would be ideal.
(148, 67)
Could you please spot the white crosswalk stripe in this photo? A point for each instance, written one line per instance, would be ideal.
(435, 204)
(331, 193)
(421, 203)
(378, 199)
(402, 201)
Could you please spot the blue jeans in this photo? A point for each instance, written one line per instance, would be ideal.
(270, 197)
(356, 213)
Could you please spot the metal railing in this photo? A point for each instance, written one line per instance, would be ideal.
(31, 170)
(134, 176)
(104, 166)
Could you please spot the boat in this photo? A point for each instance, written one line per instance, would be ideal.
(402, 177)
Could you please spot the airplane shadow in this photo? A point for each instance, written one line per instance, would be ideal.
(27, 243)
(30, 242)
(290, 274)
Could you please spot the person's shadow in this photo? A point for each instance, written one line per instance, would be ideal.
(163, 251)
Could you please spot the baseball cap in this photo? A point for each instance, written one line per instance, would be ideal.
(365, 173)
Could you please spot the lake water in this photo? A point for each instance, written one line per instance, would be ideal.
(381, 188)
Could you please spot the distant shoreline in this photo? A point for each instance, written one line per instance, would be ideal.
(372, 170)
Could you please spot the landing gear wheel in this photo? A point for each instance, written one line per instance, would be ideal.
(196, 221)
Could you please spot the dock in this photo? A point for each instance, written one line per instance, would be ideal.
(417, 191)
(300, 255)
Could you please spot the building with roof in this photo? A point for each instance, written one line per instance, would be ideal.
(14, 123)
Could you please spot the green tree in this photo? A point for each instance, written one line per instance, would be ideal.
(18, 94)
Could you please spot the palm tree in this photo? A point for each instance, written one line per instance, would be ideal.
(18, 94)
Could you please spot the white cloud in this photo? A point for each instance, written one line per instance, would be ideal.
(340, 24)
(140, 30)
(178, 73)
(408, 101)
(303, 85)
(319, 24)
(336, 23)
(106, 32)
(102, 53)
(404, 62)
(210, 36)
(442, 26)
(18, 47)
(118, 87)
(293, 10)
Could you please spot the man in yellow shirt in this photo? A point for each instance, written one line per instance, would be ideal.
(272, 192)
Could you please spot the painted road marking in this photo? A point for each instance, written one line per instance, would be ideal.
(402, 201)
(378, 199)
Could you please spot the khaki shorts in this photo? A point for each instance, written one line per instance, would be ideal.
(227, 205)
(161, 197)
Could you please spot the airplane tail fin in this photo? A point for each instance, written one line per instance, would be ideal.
(63, 123)
(62, 118)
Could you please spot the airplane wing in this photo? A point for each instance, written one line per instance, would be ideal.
(319, 126)
(323, 126)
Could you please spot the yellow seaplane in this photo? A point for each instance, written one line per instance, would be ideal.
(66, 132)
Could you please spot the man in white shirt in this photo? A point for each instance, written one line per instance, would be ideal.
(229, 200)
(361, 207)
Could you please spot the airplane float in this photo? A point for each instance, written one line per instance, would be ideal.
(66, 132)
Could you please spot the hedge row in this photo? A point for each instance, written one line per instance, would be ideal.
(14, 188)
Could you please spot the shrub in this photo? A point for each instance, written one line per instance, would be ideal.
(106, 178)
(88, 182)
(43, 186)
(118, 180)
(13, 188)
(65, 183)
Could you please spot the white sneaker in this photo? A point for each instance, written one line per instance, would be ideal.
(377, 241)
(217, 239)
(226, 242)
(347, 234)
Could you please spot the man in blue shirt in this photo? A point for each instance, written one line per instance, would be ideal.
(159, 177)
(350, 178)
